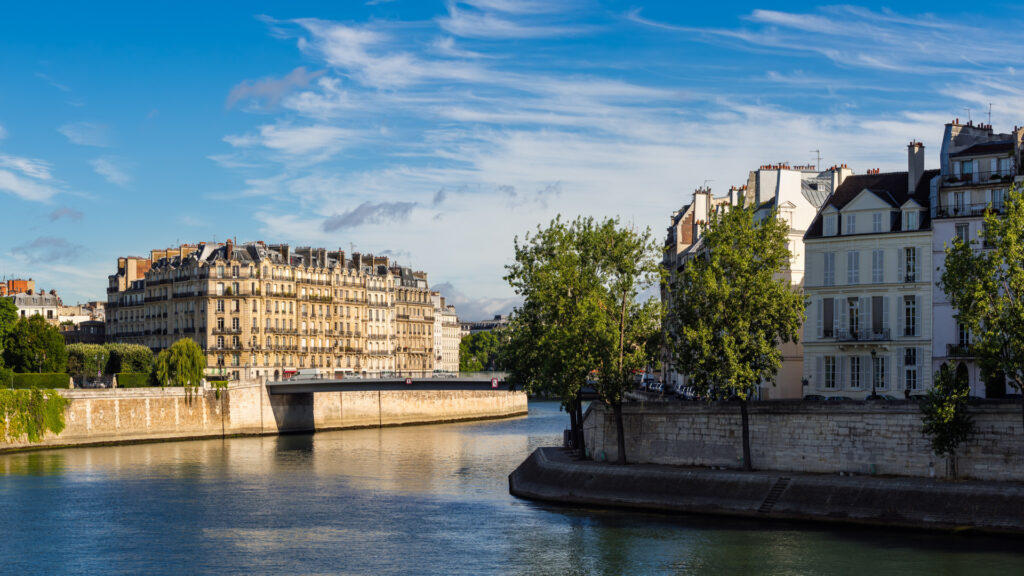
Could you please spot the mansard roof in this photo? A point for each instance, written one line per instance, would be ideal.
(890, 187)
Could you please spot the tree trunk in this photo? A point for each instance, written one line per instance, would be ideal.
(746, 435)
(581, 441)
(620, 432)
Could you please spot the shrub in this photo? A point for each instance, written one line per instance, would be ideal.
(87, 359)
(135, 380)
(133, 358)
(51, 381)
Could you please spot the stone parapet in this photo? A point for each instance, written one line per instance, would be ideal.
(864, 438)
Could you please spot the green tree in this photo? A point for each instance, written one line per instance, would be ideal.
(731, 311)
(944, 413)
(550, 347)
(8, 318)
(478, 352)
(985, 284)
(629, 328)
(35, 346)
(182, 364)
(581, 319)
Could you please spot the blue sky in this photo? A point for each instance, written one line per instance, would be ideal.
(435, 132)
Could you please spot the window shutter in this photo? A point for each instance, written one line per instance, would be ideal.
(820, 378)
(888, 373)
(835, 315)
(988, 196)
(885, 313)
(839, 372)
(844, 315)
(881, 264)
(864, 313)
(899, 265)
(899, 384)
(900, 312)
(821, 309)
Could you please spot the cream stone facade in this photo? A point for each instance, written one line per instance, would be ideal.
(263, 310)
(869, 286)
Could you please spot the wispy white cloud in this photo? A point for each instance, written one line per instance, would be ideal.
(33, 168)
(49, 80)
(27, 178)
(265, 93)
(486, 23)
(49, 249)
(86, 134)
(110, 169)
(315, 142)
(193, 221)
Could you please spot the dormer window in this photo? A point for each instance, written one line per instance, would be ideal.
(851, 224)
(830, 224)
(910, 220)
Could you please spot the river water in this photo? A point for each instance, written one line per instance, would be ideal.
(413, 500)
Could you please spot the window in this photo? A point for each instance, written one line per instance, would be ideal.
(220, 288)
(878, 372)
(910, 315)
(877, 266)
(851, 224)
(998, 198)
(878, 316)
(961, 232)
(220, 323)
(830, 224)
(234, 324)
(234, 271)
(830, 269)
(1006, 166)
(963, 334)
(910, 264)
(910, 368)
(220, 271)
(830, 372)
(876, 222)
(220, 341)
(855, 372)
(910, 220)
(853, 267)
(967, 169)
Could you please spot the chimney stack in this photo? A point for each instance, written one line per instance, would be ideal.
(915, 165)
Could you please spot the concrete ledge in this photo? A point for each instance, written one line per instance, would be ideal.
(551, 475)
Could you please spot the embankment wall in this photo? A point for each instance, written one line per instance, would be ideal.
(150, 414)
(857, 437)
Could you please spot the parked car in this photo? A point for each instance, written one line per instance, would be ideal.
(814, 398)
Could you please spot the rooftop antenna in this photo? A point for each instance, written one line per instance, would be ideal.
(989, 113)
(968, 114)
(818, 165)
(706, 183)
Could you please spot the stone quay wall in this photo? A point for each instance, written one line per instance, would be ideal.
(856, 437)
(123, 415)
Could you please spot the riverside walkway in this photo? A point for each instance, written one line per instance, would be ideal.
(303, 383)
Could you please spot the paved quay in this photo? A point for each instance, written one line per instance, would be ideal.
(554, 475)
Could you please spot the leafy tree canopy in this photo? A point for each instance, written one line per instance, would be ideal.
(731, 309)
(478, 352)
(182, 364)
(35, 346)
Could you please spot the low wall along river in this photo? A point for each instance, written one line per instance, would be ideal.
(149, 414)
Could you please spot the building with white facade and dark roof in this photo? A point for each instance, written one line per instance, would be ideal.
(869, 285)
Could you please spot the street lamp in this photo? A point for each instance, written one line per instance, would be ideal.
(874, 381)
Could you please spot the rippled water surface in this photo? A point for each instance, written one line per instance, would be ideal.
(414, 500)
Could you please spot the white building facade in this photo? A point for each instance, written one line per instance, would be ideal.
(869, 286)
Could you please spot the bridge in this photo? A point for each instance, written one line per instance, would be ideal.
(306, 383)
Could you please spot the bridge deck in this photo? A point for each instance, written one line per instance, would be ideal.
(306, 385)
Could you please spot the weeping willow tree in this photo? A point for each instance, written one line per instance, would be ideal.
(182, 365)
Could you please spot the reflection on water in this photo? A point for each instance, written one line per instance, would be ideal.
(423, 499)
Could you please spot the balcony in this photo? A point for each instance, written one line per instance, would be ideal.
(984, 177)
(967, 210)
(959, 351)
(859, 335)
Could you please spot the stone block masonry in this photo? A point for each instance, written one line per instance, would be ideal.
(151, 414)
(861, 438)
